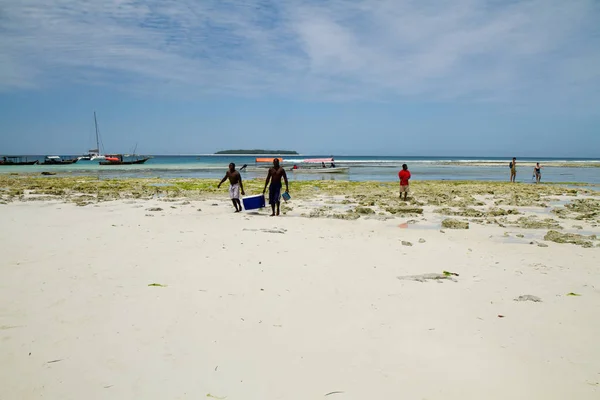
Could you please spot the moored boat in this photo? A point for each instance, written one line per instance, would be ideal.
(332, 170)
(94, 154)
(118, 159)
(56, 160)
(16, 160)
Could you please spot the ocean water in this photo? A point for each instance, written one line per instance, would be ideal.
(361, 168)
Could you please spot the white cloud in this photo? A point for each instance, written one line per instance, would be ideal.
(333, 50)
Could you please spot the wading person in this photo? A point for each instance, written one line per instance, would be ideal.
(513, 169)
(537, 172)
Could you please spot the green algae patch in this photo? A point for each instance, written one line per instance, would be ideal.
(499, 212)
(450, 223)
(532, 222)
(463, 198)
(404, 210)
(572, 238)
(364, 210)
(347, 216)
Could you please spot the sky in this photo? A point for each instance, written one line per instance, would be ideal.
(371, 77)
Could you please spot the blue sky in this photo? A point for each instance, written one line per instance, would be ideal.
(387, 77)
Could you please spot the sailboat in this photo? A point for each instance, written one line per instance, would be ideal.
(94, 154)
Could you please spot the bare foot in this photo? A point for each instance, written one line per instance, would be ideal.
(277, 213)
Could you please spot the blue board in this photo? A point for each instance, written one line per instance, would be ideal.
(254, 202)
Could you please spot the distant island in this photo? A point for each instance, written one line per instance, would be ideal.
(258, 152)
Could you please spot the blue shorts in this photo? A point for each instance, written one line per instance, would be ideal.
(275, 193)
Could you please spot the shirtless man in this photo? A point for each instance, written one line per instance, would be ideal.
(275, 175)
(235, 181)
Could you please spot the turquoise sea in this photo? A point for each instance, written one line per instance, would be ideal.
(361, 168)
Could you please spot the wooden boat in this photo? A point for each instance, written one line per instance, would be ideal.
(16, 161)
(118, 159)
(333, 170)
(56, 160)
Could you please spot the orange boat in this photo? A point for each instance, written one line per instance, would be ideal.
(268, 159)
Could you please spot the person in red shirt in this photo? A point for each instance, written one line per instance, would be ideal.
(404, 176)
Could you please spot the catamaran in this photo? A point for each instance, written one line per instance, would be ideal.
(307, 166)
(94, 154)
(323, 169)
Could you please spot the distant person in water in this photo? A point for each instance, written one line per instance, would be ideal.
(332, 163)
(537, 172)
(513, 170)
(274, 176)
(404, 176)
(323, 164)
(236, 185)
(243, 167)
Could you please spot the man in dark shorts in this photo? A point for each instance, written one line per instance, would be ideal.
(235, 181)
(275, 175)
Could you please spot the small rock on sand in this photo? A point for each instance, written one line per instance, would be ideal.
(528, 297)
(542, 245)
(405, 243)
(154, 209)
(422, 240)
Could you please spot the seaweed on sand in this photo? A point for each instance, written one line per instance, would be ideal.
(573, 238)
(532, 222)
(450, 223)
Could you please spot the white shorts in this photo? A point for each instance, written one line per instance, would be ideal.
(403, 188)
(234, 191)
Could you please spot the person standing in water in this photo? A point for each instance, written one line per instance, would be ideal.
(235, 181)
(274, 176)
(513, 170)
(404, 176)
(537, 172)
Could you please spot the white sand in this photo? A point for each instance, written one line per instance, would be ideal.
(249, 314)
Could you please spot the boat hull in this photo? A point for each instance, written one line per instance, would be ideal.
(140, 161)
(62, 162)
(9, 163)
(335, 170)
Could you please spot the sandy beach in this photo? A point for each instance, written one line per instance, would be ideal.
(160, 291)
